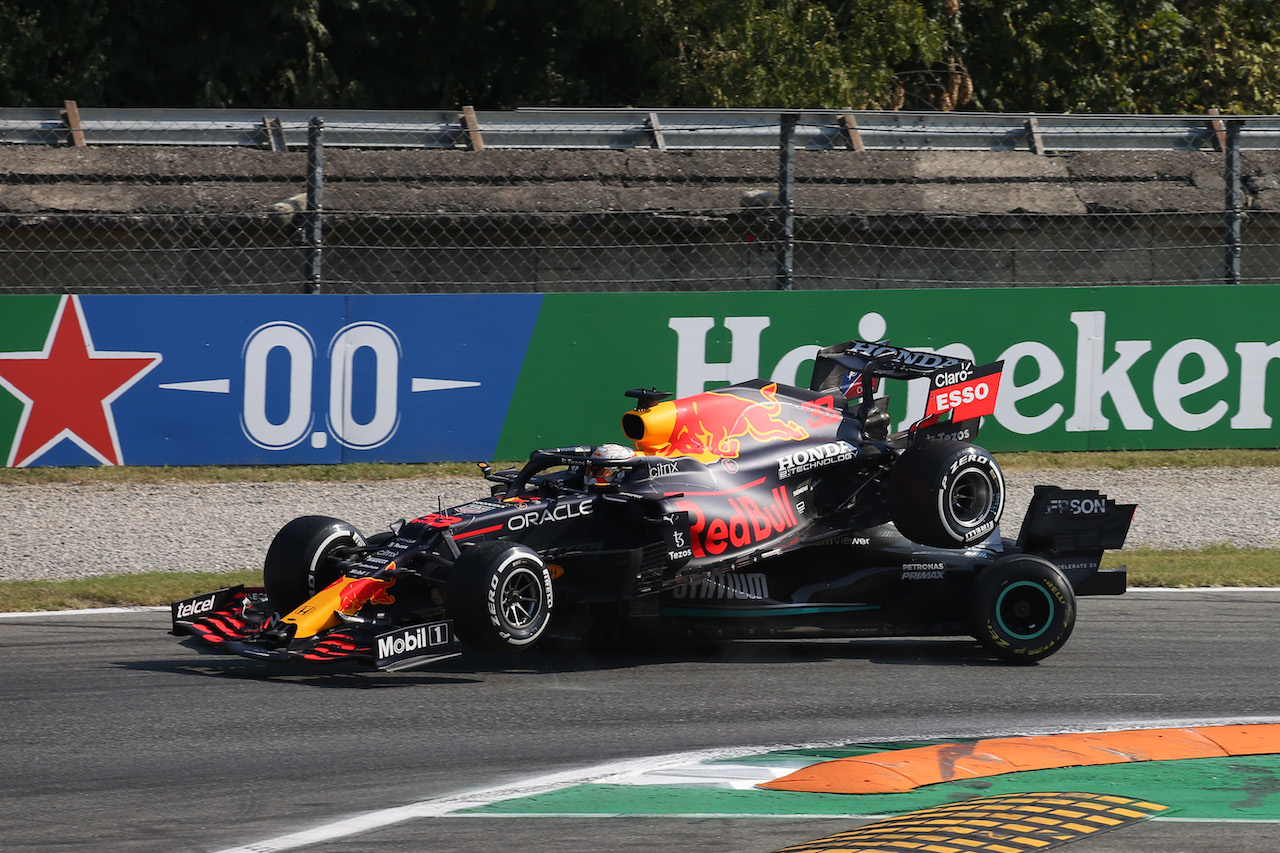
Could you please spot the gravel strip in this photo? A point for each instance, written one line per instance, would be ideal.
(64, 531)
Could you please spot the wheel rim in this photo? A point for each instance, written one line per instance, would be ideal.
(1024, 610)
(970, 498)
(520, 601)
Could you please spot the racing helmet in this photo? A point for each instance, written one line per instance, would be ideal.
(602, 469)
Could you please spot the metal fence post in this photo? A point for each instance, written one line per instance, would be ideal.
(312, 232)
(1234, 212)
(786, 236)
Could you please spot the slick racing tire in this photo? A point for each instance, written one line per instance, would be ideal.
(299, 563)
(948, 494)
(1023, 609)
(499, 596)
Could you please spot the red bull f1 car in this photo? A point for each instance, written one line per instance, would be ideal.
(759, 510)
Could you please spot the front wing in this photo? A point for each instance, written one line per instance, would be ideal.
(240, 621)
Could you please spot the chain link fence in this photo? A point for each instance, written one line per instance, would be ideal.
(172, 202)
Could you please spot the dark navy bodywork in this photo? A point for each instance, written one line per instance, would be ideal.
(757, 510)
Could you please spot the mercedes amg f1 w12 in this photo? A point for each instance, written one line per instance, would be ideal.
(759, 510)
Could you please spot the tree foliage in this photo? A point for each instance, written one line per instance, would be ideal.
(39, 56)
(1013, 55)
(1124, 56)
(796, 54)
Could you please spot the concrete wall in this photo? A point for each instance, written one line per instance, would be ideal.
(210, 219)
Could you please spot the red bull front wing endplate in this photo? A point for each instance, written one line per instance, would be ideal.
(235, 620)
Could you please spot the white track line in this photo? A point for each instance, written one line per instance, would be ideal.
(624, 772)
(603, 773)
(92, 611)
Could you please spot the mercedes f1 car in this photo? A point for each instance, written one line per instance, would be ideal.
(757, 510)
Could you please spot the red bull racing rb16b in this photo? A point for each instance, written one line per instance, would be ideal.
(754, 511)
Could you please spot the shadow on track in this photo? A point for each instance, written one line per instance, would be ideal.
(569, 657)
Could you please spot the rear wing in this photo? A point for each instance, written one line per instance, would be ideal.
(1071, 528)
(960, 393)
(1063, 520)
(833, 362)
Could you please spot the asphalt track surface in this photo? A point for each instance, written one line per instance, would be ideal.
(118, 738)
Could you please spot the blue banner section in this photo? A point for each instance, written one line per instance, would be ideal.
(280, 380)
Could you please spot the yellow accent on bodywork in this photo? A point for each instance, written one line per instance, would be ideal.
(321, 611)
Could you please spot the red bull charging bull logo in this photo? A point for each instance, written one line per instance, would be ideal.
(713, 425)
(359, 592)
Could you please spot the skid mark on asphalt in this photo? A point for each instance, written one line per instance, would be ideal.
(1012, 823)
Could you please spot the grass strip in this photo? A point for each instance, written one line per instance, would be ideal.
(136, 590)
(1215, 566)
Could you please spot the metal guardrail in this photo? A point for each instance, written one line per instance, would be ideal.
(667, 129)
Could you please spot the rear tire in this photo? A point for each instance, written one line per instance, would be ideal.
(948, 494)
(1023, 609)
(299, 562)
(499, 596)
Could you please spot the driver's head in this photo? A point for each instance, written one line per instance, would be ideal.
(602, 465)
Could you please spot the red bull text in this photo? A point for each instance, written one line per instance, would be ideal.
(747, 523)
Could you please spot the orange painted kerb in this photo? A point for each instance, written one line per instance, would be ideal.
(896, 771)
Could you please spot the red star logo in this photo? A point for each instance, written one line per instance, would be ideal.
(67, 389)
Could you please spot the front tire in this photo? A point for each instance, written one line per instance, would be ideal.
(499, 596)
(948, 494)
(299, 561)
(1023, 609)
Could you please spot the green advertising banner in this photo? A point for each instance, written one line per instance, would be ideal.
(318, 379)
(1085, 368)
